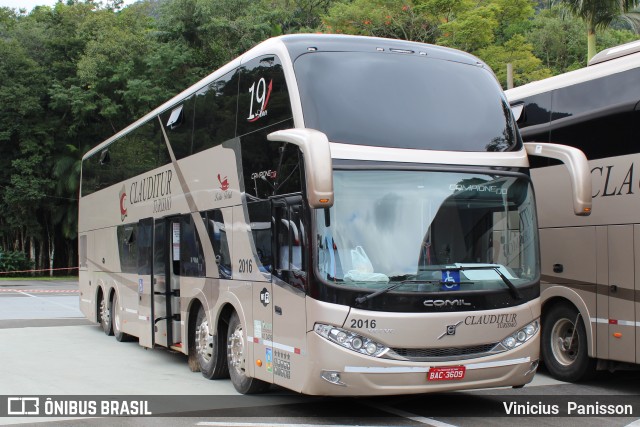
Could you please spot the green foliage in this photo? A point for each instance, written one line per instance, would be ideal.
(598, 15)
(381, 18)
(519, 53)
(73, 74)
(14, 261)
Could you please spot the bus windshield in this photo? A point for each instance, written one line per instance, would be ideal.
(404, 101)
(428, 231)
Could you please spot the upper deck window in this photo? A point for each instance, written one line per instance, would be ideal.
(405, 101)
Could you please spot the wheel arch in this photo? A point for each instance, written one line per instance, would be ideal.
(558, 295)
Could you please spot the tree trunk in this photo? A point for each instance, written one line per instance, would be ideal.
(32, 253)
(41, 255)
(52, 251)
(591, 41)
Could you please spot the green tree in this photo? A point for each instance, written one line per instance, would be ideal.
(526, 66)
(598, 14)
(382, 18)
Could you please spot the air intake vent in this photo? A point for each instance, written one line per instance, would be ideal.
(447, 353)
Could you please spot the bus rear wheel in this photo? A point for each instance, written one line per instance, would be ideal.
(208, 349)
(236, 356)
(104, 314)
(116, 320)
(564, 345)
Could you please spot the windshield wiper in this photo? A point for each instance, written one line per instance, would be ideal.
(514, 290)
(363, 299)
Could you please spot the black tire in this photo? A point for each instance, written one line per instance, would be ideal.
(207, 352)
(564, 344)
(116, 320)
(236, 356)
(104, 315)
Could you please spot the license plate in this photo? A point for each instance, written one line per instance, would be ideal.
(446, 373)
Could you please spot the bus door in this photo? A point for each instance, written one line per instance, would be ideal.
(621, 291)
(289, 289)
(159, 315)
(254, 262)
(145, 281)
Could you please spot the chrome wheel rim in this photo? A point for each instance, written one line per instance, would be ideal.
(565, 343)
(235, 347)
(116, 315)
(105, 316)
(204, 341)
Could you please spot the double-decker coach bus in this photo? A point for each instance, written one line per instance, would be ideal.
(590, 266)
(336, 215)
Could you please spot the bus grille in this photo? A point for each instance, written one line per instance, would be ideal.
(449, 353)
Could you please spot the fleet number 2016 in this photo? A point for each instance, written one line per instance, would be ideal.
(359, 323)
(245, 266)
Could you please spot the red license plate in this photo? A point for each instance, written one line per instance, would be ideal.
(446, 373)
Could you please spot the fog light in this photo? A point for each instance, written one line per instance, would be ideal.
(332, 376)
(532, 368)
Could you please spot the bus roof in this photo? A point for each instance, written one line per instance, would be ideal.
(615, 52)
(603, 69)
(299, 44)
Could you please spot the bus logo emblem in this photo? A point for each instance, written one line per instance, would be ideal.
(450, 330)
(224, 183)
(123, 210)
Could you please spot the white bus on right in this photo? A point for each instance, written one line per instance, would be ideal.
(590, 265)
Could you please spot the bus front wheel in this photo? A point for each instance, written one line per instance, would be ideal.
(564, 344)
(236, 357)
(209, 349)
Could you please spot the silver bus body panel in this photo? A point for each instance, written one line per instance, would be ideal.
(599, 254)
(281, 345)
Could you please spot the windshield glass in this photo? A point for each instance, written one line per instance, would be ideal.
(434, 231)
(405, 101)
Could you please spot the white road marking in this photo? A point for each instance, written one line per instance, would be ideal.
(49, 300)
(410, 416)
(228, 424)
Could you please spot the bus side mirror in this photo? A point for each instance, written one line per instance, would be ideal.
(518, 109)
(317, 163)
(578, 166)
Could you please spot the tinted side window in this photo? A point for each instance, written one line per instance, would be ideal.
(215, 113)
(178, 123)
(263, 98)
(609, 136)
(260, 220)
(144, 240)
(270, 168)
(127, 248)
(218, 236)
(191, 255)
(537, 110)
(140, 151)
(616, 90)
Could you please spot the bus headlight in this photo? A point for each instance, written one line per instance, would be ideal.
(350, 340)
(521, 336)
